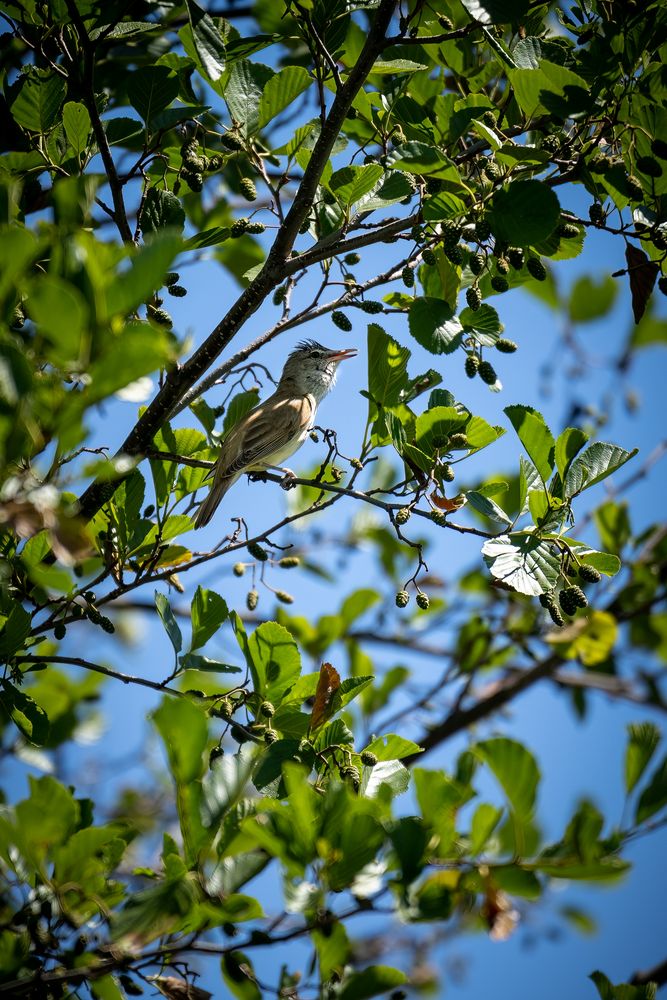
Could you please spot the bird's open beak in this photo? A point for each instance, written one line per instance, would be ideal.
(349, 352)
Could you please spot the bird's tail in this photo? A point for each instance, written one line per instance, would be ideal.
(209, 504)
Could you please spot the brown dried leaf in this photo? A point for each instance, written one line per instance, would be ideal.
(327, 686)
(442, 503)
(642, 273)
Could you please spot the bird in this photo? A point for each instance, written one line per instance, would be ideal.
(272, 431)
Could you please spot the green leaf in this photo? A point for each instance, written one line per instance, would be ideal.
(389, 773)
(480, 434)
(18, 247)
(268, 779)
(61, 313)
(280, 91)
(76, 121)
(621, 991)
(350, 184)
(524, 213)
(590, 299)
(208, 612)
(39, 100)
(48, 816)
(654, 796)
(195, 661)
(516, 770)
(169, 621)
(607, 870)
(183, 728)
(29, 717)
(484, 323)
(613, 524)
(151, 89)
(119, 130)
(548, 88)
(373, 981)
(484, 821)
(161, 210)
(420, 158)
(579, 919)
(244, 90)
(239, 975)
(568, 445)
(207, 41)
(387, 67)
(163, 907)
(351, 688)
(444, 205)
(239, 405)
(224, 785)
(529, 480)
(596, 463)
(433, 427)
(535, 436)
(392, 747)
(487, 507)
(434, 325)
(146, 271)
(276, 658)
(486, 133)
(595, 637)
(208, 238)
(333, 950)
(650, 330)
(356, 604)
(242, 639)
(356, 839)
(643, 739)
(527, 53)
(14, 632)
(387, 367)
(523, 562)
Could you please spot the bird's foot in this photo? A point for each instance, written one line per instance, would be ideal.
(287, 481)
(257, 477)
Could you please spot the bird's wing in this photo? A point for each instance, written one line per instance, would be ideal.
(264, 431)
(259, 435)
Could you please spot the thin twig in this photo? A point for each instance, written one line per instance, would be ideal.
(77, 661)
(88, 82)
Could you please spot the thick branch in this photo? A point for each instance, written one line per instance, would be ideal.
(504, 692)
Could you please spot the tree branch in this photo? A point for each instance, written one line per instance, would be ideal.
(77, 661)
(657, 975)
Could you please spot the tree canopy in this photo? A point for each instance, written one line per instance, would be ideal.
(399, 172)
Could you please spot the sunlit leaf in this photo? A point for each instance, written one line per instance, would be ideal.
(516, 770)
(523, 562)
(643, 739)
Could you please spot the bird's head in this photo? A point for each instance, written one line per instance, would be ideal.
(311, 368)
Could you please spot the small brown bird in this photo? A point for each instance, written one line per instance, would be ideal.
(274, 429)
